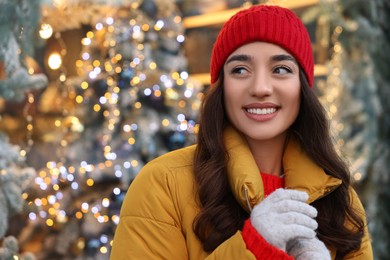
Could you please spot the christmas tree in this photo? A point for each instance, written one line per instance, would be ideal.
(15, 81)
(130, 101)
(355, 95)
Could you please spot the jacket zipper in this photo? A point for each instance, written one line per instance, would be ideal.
(247, 198)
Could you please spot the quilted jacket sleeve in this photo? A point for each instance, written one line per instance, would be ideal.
(365, 251)
(149, 227)
(156, 222)
(232, 248)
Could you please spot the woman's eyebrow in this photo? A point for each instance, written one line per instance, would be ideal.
(239, 57)
(283, 57)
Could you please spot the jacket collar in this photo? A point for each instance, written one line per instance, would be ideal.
(301, 173)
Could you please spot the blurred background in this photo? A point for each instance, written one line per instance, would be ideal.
(92, 90)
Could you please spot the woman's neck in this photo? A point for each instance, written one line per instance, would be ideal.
(268, 154)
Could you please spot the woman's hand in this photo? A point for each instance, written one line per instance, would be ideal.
(284, 216)
(307, 249)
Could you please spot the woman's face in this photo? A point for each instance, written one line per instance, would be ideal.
(261, 90)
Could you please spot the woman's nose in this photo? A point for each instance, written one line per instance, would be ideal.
(261, 85)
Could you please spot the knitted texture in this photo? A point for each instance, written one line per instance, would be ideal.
(302, 249)
(284, 215)
(271, 183)
(265, 23)
(259, 247)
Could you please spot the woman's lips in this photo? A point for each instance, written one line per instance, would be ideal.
(261, 112)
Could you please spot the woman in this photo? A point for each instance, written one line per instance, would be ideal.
(264, 181)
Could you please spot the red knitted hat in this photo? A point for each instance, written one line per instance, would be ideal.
(273, 24)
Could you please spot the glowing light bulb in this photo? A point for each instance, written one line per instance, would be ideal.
(46, 31)
(55, 61)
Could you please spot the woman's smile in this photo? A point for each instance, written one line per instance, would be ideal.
(261, 111)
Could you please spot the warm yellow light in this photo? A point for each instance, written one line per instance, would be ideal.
(145, 27)
(134, 163)
(131, 140)
(152, 65)
(136, 80)
(30, 99)
(112, 43)
(117, 112)
(42, 174)
(72, 94)
(165, 122)
(108, 67)
(195, 106)
(357, 176)
(96, 63)
(137, 105)
(79, 63)
(84, 85)
(140, 46)
(55, 61)
(175, 75)
(23, 153)
(62, 78)
(180, 82)
(177, 19)
(96, 108)
(52, 211)
(79, 215)
(49, 222)
(182, 103)
(86, 41)
(108, 163)
(111, 127)
(90, 182)
(79, 99)
(90, 34)
(115, 218)
(46, 31)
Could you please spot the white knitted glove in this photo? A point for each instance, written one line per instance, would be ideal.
(308, 249)
(283, 216)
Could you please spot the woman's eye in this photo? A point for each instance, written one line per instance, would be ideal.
(282, 70)
(239, 70)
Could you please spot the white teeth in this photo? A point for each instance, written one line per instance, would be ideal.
(261, 111)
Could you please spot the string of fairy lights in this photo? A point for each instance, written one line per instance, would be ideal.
(331, 99)
(182, 94)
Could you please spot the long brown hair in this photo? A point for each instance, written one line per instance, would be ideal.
(221, 215)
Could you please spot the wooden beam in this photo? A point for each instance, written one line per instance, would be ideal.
(216, 18)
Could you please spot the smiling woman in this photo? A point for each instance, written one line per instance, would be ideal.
(264, 180)
(262, 89)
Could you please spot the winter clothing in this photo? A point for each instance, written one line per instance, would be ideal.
(271, 183)
(253, 240)
(308, 249)
(259, 246)
(160, 205)
(284, 215)
(265, 23)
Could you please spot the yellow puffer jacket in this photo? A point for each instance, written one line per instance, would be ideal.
(160, 205)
